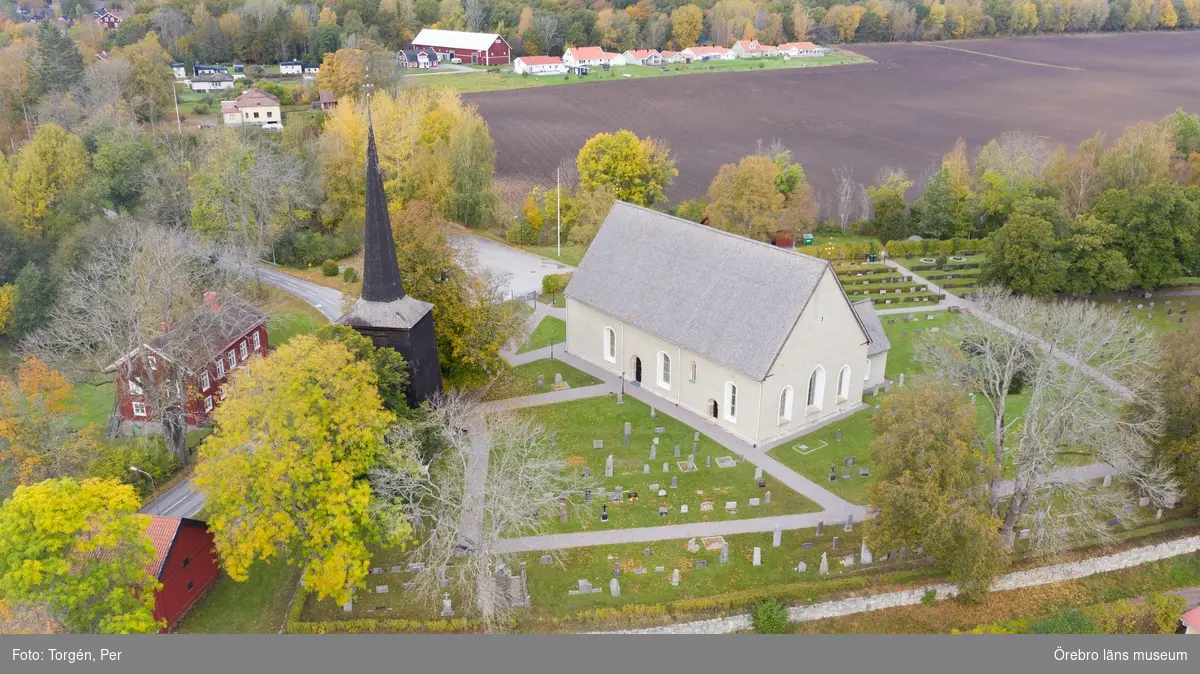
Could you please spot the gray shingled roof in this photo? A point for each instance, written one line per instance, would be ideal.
(723, 296)
(874, 327)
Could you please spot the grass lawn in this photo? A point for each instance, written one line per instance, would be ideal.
(580, 422)
(901, 330)
(1157, 318)
(475, 82)
(550, 330)
(521, 380)
(571, 255)
(313, 274)
(257, 606)
(289, 316)
(821, 449)
(556, 300)
(96, 402)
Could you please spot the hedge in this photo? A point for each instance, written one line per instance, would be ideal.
(555, 283)
(875, 281)
(864, 267)
(949, 266)
(369, 625)
(1158, 614)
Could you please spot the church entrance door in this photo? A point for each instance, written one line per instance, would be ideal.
(712, 408)
(637, 369)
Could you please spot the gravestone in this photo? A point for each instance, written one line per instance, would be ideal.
(557, 379)
(584, 586)
(546, 560)
(708, 462)
(806, 546)
(691, 464)
(848, 462)
(696, 437)
(653, 452)
(676, 450)
(824, 568)
(587, 495)
(1023, 535)
(659, 430)
(604, 513)
(1158, 515)
(849, 523)
(901, 382)
(820, 527)
(348, 606)
(1113, 522)
(654, 441)
(654, 487)
(777, 537)
(659, 569)
(757, 561)
(758, 473)
(754, 503)
(701, 563)
(761, 483)
(662, 511)
(1107, 480)
(1144, 501)
(724, 558)
(864, 472)
(562, 513)
(694, 446)
(675, 577)
(767, 498)
(614, 587)
(608, 466)
(838, 436)
(587, 472)
(674, 482)
(645, 552)
(832, 474)
(836, 543)
(541, 381)
(620, 397)
(887, 388)
(617, 570)
(628, 432)
(397, 569)
(645, 469)
(666, 466)
(864, 554)
(652, 411)
(683, 509)
(553, 438)
(801, 567)
(706, 506)
(845, 476)
(447, 608)
(597, 444)
(692, 546)
(619, 493)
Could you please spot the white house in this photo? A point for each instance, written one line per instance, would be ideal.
(760, 340)
(643, 57)
(802, 49)
(211, 82)
(539, 65)
(584, 56)
(751, 49)
(253, 107)
(290, 67)
(179, 70)
(310, 68)
(708, 54)
(671, 56)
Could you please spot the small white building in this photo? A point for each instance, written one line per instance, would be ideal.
(206, 82)
(761, 341)
(179, 70)
(539, 65)
(253, 107)
(643, 57)
(584, 56)
(751, 49)
(671, 56)
(310, 68)
(802, 49)
(708, 54)
(291, 68)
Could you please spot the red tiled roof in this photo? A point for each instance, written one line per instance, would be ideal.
(229, 107)
(641, 53)
(668, 54)
(162, 531)
(1192, 618)
(540, 60)
(255, 97)
(707, 50)
(797, 45)
(587, 53)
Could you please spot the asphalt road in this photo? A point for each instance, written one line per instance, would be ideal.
(327, 300)
(524, 271)
(182, 500)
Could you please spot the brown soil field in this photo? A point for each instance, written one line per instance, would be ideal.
(905, 110)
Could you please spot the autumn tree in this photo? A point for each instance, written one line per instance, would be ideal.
(313, 417)
(802, 22)
(890, 219)
(78, 551)
(638, 170)
(686, 24)
(149, 84)
(1008, 169)
(470, 200)
(1141, 155)
(743, 198)
(54, 163)
(1021, 256)
(391, 372)
(931, 486)
(1078, 178)
(36, 437)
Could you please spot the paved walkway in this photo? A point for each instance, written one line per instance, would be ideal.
(1094, 471)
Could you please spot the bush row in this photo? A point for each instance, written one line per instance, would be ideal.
(949, 266)
(370, 625)
(901, 297)
(958, 283)
(307, 247)
(876, 281)
(1158, 614)
(861, 267)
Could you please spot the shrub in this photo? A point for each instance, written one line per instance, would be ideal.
(555, 283)
(1069, 621)
(522, 234)
(350, 275)
(929, 598)
(329, 268)
(200, 108)
(147, 453)
(770, 617)
(303, 247)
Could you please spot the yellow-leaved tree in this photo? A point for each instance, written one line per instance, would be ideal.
(36, 437)
(285, 470)
(53, 163)
(636, 169)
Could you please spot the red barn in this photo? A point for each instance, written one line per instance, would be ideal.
(242, 334)
(487, 49)
(185, 562)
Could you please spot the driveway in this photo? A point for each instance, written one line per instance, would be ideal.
(326, 300)
(523, 270)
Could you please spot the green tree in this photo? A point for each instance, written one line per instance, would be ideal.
(1094, 262)
(391, 372)
(119, 161)
(148, 87)
(937, 208)
(638, 170)
(931, 487)
(535, 44)
(1021, 256)
(313, 416)
(36, 290)
(1179, 372)
(1184, 130)
(1158, 226)
(59, 64)
(470, 200)
(890, 221)
(80, 550)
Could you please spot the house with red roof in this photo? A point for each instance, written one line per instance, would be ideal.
(643, 57)
(707, 54)
(752, 49)
(539, 65)
(584, 56)
(670, 56)
(802, 49)
(185, 563)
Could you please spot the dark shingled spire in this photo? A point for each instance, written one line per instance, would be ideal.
(381, 273)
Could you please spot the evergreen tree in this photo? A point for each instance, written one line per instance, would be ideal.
(58, 65)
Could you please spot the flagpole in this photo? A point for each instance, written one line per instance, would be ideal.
(558, 195)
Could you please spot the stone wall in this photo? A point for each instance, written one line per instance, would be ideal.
(1055, 573)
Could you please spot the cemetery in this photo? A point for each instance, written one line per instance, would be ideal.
(656, 484)
(523, 380)
(1161, 313)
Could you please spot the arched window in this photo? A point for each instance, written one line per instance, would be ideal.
(867, 374)
(730, 401)
(816, 389)
(786, 397)
(844, 384)
(664, 370)
(610, 345)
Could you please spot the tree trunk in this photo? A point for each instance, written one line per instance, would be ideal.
(174, 426)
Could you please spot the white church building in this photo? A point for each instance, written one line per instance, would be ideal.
(761, 340)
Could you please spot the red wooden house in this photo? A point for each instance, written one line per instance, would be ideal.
(242, 332)
(109, 19)
(488, 49)
(185, 562)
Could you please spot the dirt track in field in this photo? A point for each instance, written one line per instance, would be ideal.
(906, 109)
